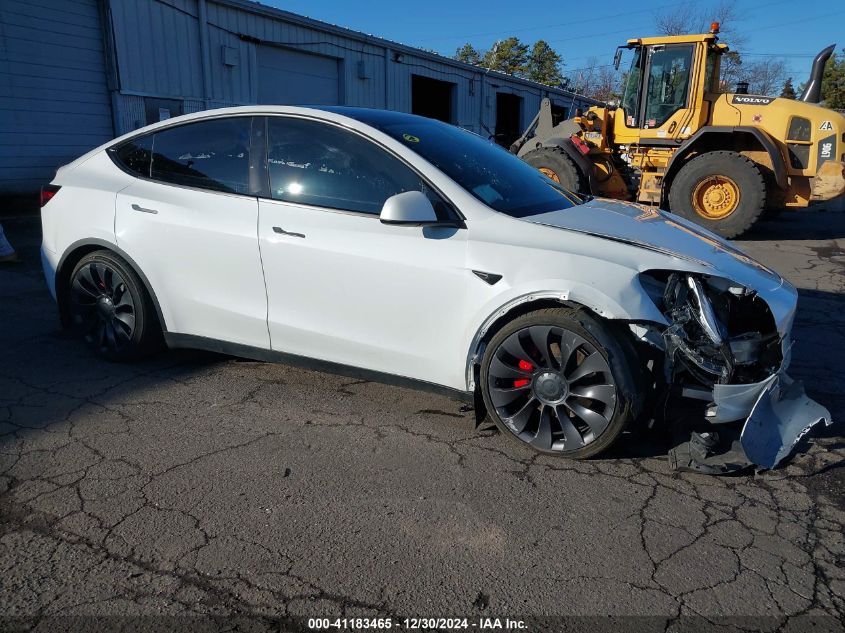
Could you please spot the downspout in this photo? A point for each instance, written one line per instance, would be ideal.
(202, 11)
(386, 78)
(112, 67)
(481, 124)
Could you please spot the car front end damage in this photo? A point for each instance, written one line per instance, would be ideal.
(724, 353)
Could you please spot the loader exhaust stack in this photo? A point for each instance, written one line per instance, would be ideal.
(813, 90)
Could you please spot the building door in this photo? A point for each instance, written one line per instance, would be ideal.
(508, 118)
(432, 98)
(289, 77)
(55, 101)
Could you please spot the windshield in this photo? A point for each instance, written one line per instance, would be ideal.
(493, 175)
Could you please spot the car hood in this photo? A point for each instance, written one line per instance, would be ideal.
(649, 228)
(687, 246)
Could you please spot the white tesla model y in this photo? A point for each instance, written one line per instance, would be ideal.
(399, 247)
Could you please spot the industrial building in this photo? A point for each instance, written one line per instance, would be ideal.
(76, 73)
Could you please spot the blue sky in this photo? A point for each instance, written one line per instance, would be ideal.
(774, 28)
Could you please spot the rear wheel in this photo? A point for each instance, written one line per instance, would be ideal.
(724, 192)
(554, 163)
(560, 382)
(110, 308)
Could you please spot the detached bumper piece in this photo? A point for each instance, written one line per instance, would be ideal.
(777, 415)
(782, 415)
(710, 453)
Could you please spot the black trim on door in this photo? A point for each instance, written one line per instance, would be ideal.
(189, 341)
(259, 174)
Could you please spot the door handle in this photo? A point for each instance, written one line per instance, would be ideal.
(137, 207)
(281, 231)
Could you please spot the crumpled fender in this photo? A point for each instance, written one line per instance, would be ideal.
(628, 301)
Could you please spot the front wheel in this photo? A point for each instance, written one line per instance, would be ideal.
(110, 309)
(724, 192)
(559, 381)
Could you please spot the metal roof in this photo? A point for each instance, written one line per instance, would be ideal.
(263, 9)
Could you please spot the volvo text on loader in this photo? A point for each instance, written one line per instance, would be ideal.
(677, 141)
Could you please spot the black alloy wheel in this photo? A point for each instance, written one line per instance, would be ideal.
(550, 382)
(108, 306)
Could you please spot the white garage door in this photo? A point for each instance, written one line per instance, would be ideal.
(290, 77)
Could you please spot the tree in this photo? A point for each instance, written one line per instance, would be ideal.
(608, 86)
(508, 56)
(511, 56)
(597, 81)
(696, 18)
(468, 54)
(833, 82)
(544, 64)
(788, 91)
(764, 77)
(731, 70)
(691, 17)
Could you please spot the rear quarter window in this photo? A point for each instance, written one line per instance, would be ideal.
(135, 156)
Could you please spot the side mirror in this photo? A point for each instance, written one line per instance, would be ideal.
(412, 208)
(617, 57)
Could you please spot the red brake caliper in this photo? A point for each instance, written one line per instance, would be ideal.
(524, 366)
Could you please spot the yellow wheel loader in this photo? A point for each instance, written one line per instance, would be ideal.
(677, 141)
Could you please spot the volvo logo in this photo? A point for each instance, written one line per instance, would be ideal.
(751, 100)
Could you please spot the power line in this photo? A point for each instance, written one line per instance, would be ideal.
(602, 18)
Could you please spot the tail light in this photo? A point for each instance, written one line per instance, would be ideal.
(579, 144)
(47, 193)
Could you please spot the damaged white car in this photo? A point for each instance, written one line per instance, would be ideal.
(391, 246)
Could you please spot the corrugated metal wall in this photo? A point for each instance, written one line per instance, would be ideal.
(54, 101)
(64, 74)
(157, 46)
(160, 53)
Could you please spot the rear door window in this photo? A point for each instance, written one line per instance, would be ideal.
(207, 154)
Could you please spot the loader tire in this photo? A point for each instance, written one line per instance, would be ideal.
(554, 163)
(724, 192)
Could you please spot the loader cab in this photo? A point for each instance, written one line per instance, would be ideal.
(665, 89)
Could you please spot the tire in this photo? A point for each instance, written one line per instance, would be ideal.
(555, 164)
(538, 399)
(110, 309)
(724, 171)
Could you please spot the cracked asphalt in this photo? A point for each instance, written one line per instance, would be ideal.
(194, 486)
